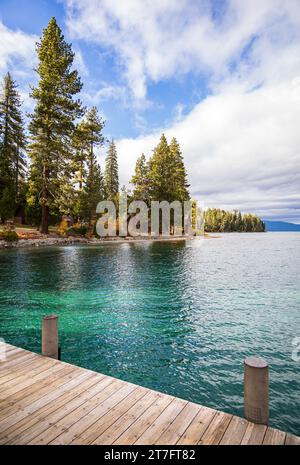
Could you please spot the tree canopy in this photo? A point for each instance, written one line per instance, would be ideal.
(12, 149)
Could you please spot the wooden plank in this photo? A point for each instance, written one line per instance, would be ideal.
(61, 396)
(88, 401)
(235, 431)
(28, 395)
(114, 431)
(19, 359)
(104, 416)
(216, 429)
(38, 373)
(35, 393)
(7, 348)
(292, 440)
(178, 427)
(72, 431)
(8, 353)
(39, 422)
(197, 427)
(131, 435)
(19, 366)
(274, 437)
(162, 422)
(254, 434)
(34, 367)
(10, 346)
(79, 432)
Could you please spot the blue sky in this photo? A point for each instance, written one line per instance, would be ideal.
(165, 98)
(223, 76)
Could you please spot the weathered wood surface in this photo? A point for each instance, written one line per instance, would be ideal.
(46, 401)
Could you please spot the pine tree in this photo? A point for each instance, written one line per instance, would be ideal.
(140, 179)
(12, 146)
(160, 168)
(179, 175)
(52, 123)
(111, 174)
(91, 183)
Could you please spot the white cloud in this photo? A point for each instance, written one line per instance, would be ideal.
(107, 92)
(242, 143)
(79, 64)
(158, 39)
(242, 150)
(17, 49)
(17, 55)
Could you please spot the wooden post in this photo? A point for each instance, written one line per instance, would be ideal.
(50, 336)
(256, 390)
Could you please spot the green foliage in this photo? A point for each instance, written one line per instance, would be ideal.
(7, 203)
(9, 236)
(216, 220)
(140, 179)
(52, 123)
(88, 175)
(12, 146)
(111, 174)
(163, 177)
(179, 183)
(77, 230)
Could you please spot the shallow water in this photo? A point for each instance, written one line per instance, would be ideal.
(178, 317)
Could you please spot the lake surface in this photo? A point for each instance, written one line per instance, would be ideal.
(178, 317)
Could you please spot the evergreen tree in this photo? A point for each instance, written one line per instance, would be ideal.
(179, 181)
(92, 190)
(159, 172)
(140, 179)
(52, 123)
(111, 174)
(167, 174)
(12, 146)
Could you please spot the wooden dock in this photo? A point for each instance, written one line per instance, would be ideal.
(46, 401)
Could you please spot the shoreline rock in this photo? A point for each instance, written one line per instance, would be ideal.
(54, 241)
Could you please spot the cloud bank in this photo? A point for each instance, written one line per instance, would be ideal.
(242, 142)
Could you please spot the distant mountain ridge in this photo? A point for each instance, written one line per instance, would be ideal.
(281, 226)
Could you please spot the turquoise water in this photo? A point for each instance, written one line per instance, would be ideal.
(176, 317)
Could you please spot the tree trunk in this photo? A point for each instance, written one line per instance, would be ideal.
(45, 219)
(17, 180)
(45, 207)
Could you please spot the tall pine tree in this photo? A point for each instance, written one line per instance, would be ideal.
(12, 146)
(52, 122)
(91, 183)
(178, 179)
(160, 168)
(111, 174)
(140, 179)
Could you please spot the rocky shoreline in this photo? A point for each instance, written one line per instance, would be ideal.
(54, 241)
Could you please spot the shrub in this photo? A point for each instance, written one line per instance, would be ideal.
(77, 230)
(9, 236)
(63, 227)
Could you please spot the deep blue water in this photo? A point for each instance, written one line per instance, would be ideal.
(178, 317)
